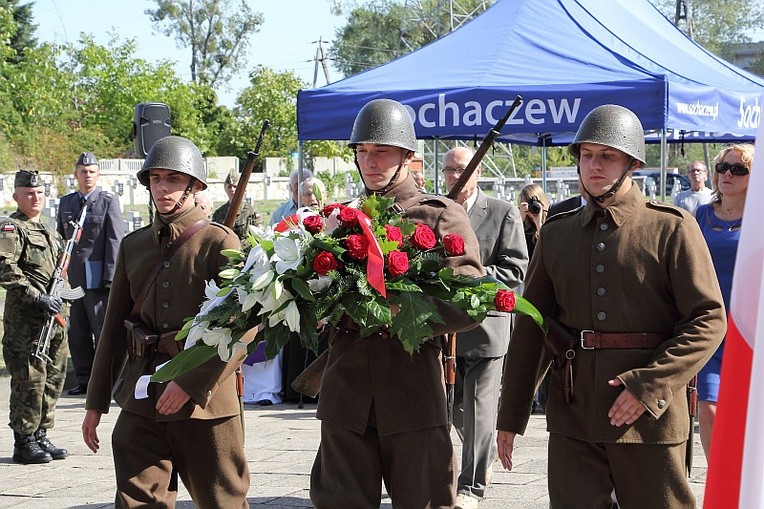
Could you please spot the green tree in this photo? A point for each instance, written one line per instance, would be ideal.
(23, 37)
(216, 31)
(720, 25)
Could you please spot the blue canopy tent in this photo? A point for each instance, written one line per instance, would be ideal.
(564, 57)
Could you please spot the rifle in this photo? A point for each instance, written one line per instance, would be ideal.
(482, 149)
(692, 406)
(238, 197)
(58, 288)
(449, 370)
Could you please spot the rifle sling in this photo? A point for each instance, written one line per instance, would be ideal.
(182, 238)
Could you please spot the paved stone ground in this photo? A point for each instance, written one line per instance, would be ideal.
(281, 444)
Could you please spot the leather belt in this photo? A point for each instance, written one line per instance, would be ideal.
(593, 340)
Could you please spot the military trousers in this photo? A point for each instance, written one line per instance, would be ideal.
(85, 324)
(583, 474)
(418, 469)
(35, 384)
(207, 453)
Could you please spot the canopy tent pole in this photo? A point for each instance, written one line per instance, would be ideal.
(664, 163)
(543, 163)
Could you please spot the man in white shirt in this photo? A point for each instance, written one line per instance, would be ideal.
(698, 194)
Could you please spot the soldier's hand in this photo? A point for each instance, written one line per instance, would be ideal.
(505, 440)
(627, 408)
(89, 425)
(172, 399)
(48, 303)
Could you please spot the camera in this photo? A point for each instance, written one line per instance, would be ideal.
(534, 206)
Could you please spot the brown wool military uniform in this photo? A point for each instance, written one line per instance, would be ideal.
(146, 444)
(383, 411)
(632, 267)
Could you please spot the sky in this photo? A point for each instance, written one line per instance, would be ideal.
(287, 40)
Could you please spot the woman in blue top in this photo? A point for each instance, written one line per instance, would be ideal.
(720, 223)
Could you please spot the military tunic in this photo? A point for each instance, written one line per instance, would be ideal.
(29, 251)
(247, 216)
(209, 425)
(634, 266)
(384, 408)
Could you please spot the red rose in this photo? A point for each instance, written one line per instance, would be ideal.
(348, 217)
(393, 234)
(423, 237)
(397, 263)
(454, 244)
(325, 262)
(505, 300)
(357, 246)
(327, 211)
(313, 224)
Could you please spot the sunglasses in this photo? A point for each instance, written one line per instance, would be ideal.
(738, 170)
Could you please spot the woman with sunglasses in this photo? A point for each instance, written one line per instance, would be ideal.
(720, 223)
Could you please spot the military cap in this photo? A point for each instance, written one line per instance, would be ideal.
(27, 178)
(87, 159)
(233, 177)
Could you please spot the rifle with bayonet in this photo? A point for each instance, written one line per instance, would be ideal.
(58, 290)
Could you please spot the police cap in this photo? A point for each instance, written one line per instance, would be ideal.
(233, 177)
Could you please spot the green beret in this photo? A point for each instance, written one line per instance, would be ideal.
(27, 178)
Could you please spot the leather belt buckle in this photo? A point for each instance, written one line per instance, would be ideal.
(583, 339)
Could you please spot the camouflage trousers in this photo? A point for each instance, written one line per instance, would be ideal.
(35, 384)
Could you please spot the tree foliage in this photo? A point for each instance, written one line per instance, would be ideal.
(216, 31)
(22, 37)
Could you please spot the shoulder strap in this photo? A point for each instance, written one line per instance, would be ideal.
(182, 238)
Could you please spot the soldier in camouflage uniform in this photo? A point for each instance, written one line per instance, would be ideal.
(246, 216)
(29, 251)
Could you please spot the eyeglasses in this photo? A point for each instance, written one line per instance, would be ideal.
(454, 171)
(736, 169)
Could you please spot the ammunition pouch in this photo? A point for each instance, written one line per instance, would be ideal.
(143, 342)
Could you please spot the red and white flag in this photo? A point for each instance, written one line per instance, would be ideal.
(736, 465)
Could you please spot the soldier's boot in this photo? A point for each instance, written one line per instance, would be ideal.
(45, 444)
(27, 451)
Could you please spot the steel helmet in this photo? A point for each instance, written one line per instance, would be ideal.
(384, 122)
(613, 126)
(174, 153)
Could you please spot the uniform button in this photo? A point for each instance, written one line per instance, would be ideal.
(601, 291)
(604, 226)
(165, 284)
(165, 325)
(165, 304)
(661, 403)
(601, 246)
(601, 316)
(599, 268)
(166, 263)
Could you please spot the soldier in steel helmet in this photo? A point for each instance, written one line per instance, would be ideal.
(29, 252)
(382, 410)
(632, 316)
(192, 424)
(246, 215)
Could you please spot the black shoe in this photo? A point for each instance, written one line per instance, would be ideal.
(45, 444)
(27, 451)
(78, 390)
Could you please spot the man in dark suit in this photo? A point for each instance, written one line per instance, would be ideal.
(93, 261)
(480, 351)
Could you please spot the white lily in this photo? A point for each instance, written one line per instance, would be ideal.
(287, 254)
(320, 284)
(211, 291)
(256, 256)
(238, 351)
(290, 314)
(248, 300)
(195, 333)
(216, 336)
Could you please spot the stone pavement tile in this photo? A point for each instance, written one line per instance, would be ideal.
(281, 443)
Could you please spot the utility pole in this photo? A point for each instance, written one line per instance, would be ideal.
(322, 59)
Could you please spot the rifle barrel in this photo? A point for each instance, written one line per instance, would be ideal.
(238, 197)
